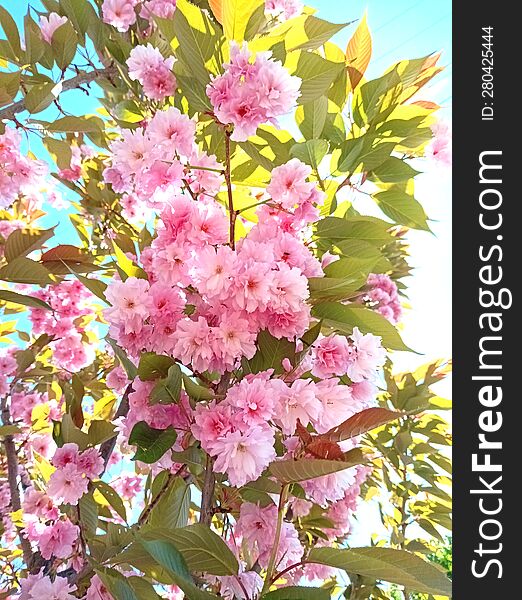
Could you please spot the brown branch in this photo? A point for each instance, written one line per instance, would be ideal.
(209, 482)
(12, 478)
(228, 180)
(9, 112)
(107, 448)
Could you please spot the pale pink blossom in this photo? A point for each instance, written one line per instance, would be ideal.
(48, 25)
(119, 13)
(331, 356)
(67, 484)
(58, 539)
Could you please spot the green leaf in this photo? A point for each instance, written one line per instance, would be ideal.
(317, 75)
(126, 363)
(64, 45)
(344, 318)
(15, 298)
(100, 431)
(11, 32)
(152, 443)
(60, 150)
(388, 564)
(318, 32)
(126, 588)
(112, 497)
(297, 593)
(9, 86)
(171, 510)
(292, 471)
(197, 39)
(310, 152)
(394, 170)
(76, 124)
(169, 557)
(88, 512)
(311, 118)
(402, 208)
(23, 241)
(236, 15)
(25, 270)
(368, 229)
(40, 96)
(270, 353)
(154, 366)
(34, 46)
(196, 391)
(168, 390)
(360, 423)
(203, 550)
(80, 12)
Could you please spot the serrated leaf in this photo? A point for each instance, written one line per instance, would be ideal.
(310, 152)
(25, 270)
(73, 124)
(358, 53)
(11, 32)
(22, 242)
(64, 45)
(171, 510)
(317, 75)
(394, 170)
(402, 208)
(292, 471)
(388, 564)
(318, 31)
(167, 391)
(15, 298)
(169, 557)
(360, 423)
(112, 498)
(344, 318)
(154, 366)
(151, 443)
(9, 86)
(40, 96)
(203, 550)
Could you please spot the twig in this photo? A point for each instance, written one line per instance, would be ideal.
(9, 112)
(275, 548)
(107, 448)
(228, 181)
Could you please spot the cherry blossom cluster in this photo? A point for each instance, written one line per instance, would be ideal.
(74, 469)
(240, 431)
(283, 9)
(147, 65)
(19, 174)
(122, 14)
(67, 323)
(252, 91)
(150, 164)
(383, 296)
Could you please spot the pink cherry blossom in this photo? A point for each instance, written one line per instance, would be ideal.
(147, 65)
(284, 9)
(331, 356)
(39, 586)
(119, 13)
(67, 484)
(297, 403)
(249, 93)
(369, 357)
(48, 25)
(244, 455)
(58, 539)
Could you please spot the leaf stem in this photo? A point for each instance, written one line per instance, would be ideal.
(273, 556)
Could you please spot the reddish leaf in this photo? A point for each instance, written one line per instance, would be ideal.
(426, 104)
(360, 423)
(303, 433)
(325, 449)
(358, 53)
(65, 253)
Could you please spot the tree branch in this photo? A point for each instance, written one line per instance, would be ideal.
(232, 212)
(12, 478)
(107, 448)
(9, 112)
